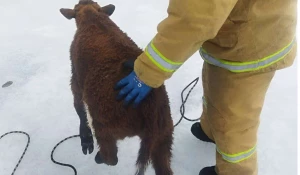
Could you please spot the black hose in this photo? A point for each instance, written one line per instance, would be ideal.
(28, 141)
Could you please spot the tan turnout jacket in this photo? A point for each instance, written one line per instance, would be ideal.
(235, 32)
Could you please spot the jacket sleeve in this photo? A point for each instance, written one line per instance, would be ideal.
(189, 24)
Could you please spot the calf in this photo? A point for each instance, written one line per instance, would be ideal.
(98, 53)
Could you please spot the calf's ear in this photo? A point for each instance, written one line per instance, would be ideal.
(68, 13)
(109, 9)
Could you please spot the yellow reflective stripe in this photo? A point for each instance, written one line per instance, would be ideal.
(163, 57)
(161, 61)
(235, 158)
(248, 66)
(204, 101)
(157, 64)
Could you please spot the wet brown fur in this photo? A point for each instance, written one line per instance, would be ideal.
(97, 53)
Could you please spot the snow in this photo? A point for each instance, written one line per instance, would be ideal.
(34, 42)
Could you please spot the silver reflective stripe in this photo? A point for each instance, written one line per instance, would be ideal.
(162, 63)
(237, 157)
(243, 67)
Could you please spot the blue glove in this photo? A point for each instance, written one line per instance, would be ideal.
(133, 89)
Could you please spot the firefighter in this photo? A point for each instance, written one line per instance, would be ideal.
(243, 43)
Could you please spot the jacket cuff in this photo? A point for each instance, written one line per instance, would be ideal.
(149, 73)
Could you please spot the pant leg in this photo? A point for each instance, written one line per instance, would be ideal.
(234, 102)
(205, 125)
(203, 119)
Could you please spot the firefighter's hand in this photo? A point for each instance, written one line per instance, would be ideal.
(132, 89)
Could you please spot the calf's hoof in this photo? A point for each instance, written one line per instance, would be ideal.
(87, 142)
(99, 160)
(114, 162)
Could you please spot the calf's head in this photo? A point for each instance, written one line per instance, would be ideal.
(86, 5)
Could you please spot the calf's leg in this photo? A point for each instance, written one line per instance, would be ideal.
(85, 133)
(108, 149)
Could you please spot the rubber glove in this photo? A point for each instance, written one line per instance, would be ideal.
(132, 89)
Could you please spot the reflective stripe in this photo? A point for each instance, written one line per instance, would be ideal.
(159, 60)
(204, 101)
(248, 66)
(235, 158)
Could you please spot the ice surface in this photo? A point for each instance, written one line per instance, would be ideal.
(34, 42)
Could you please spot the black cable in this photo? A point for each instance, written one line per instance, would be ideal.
(28, 141)
(182, 107)
(59, 163)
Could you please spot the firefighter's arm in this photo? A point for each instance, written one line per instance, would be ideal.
(189, 24)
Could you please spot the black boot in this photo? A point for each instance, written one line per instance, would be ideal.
(199, 133)
(208, 171)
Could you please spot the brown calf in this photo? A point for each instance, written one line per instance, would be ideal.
(98, 52)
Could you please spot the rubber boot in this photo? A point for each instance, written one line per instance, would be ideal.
(208, 171)
(199, 133)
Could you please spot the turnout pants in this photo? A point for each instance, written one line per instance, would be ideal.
(232, 104)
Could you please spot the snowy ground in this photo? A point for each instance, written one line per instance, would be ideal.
(34, 42)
